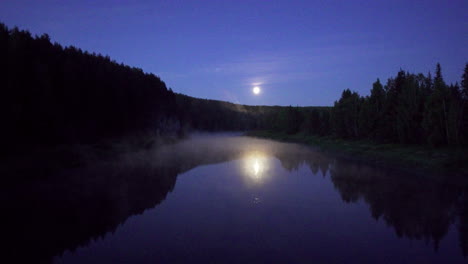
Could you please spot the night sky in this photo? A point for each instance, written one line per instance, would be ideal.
(298, 52)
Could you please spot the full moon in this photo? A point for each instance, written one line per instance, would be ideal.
(256, 90)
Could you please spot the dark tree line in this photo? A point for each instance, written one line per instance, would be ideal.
(52, 94)
(408, 109)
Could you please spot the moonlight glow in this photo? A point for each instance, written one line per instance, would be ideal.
(255, 166)
(256, 90)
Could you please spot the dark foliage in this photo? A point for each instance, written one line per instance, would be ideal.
(55, 95)
(52, 95)
(409, 109)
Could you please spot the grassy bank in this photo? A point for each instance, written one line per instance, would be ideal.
(449, 159)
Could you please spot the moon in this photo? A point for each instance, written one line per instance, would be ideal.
(256, 90)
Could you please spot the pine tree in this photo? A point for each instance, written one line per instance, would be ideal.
(435, 121)
(377, 102)
(464, 107)
(464, 83)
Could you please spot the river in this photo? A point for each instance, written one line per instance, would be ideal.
(235, 199)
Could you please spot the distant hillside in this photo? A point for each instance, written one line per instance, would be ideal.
(214, 115)
(54, 95)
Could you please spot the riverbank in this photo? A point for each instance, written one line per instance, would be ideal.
(446, 159)
(40, 162)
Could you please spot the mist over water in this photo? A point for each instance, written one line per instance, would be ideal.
(226, 198)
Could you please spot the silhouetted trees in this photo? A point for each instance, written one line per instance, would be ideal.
(345, 115)
(52, 95)
(409, 109)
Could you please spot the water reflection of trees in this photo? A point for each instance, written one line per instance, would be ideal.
(68, 208)
(416, 206)
(43, 218)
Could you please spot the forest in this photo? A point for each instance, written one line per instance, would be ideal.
(59, 95)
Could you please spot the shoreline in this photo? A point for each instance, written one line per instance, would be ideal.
(407, 157)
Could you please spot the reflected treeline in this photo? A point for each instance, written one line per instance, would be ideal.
(416, 206)
(45, 216)
(43, 219)
(75, 206)
(293, 158)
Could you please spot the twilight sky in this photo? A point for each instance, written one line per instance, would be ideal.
(298, 52)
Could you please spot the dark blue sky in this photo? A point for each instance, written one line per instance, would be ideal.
(298, 52)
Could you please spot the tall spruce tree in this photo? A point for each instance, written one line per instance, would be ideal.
(464, 107)
(377, 103)
(435, 121)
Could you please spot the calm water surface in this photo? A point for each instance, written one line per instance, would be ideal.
(226, 199)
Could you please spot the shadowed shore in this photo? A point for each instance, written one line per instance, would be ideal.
(408, 157)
